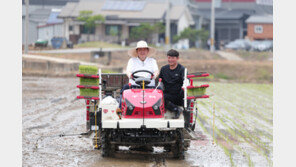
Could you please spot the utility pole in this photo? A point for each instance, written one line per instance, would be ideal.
(26, 26)
(212, 26)
(167, 27)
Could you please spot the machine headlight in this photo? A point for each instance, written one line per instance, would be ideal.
(130, 107)
(156, 106)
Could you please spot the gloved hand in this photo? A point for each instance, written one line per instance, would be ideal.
(186, 83)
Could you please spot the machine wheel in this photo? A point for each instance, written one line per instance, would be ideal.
(167, 148)
(186, 144)
(178, 148)
(107, 150)
(193, 127)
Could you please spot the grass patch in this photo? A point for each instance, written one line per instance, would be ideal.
(108, 71)
(89, 92)
(222, 76)
(263, 74)
(89, 81)
(196, 91)
(253, 55)
(196, 81)
(84, 69)
(98, 44)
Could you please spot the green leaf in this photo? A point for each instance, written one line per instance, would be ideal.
(89, 19)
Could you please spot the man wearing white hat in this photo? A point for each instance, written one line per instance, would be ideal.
(141, 60)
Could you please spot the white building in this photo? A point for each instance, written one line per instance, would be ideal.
(121, 17)
(52, 28)
(39, 12)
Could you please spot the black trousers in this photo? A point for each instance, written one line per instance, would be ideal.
(172, 101)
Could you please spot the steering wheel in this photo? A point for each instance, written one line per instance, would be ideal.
(139, 80)
(135, 77)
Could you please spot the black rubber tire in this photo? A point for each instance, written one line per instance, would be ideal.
(106, 146)
(186, 145)
(167, 148)
(178, 148)
(193, 127)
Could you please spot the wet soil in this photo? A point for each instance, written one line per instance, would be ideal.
(50, 108)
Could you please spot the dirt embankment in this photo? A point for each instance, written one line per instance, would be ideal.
(219, 68)
(37, 67)
(243, 71)
(248, 70)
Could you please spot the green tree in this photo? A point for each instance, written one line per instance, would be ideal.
(192, 35)
(113, 32)
(89, 20)
(187, 33)
(203, 35)
(145, 30)
(159, 28)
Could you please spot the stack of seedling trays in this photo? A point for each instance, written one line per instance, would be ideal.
(195, 92)
(89, 82)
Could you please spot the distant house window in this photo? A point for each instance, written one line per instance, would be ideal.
(84, 30)
(258, 29)
(70, 28)
(113, 30)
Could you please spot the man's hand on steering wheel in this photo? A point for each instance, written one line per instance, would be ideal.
(133, 77)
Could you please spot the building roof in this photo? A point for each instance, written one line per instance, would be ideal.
(40, 15)
(178, 10)
(260, 19)
(73, 9)
(31, 9)
(250, 5)
(150, 10)
(224, 14)
(52, 19)
(49, 2)
(68, 9)
(124, 5)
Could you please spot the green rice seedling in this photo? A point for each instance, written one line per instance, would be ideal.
(226, 151)
(197, 81)
(89, 81)
(89, 92)
(225, 138)
(84, 69)
(108, 71)
(196, 91)
(245, 135)
(241, 116)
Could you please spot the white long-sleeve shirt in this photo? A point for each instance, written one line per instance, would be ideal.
(135, 64)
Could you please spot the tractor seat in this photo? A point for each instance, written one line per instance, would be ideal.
(139, 81)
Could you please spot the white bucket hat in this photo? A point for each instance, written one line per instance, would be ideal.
(141, 44)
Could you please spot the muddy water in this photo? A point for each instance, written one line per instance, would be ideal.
(50, 108)
(127, 160)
